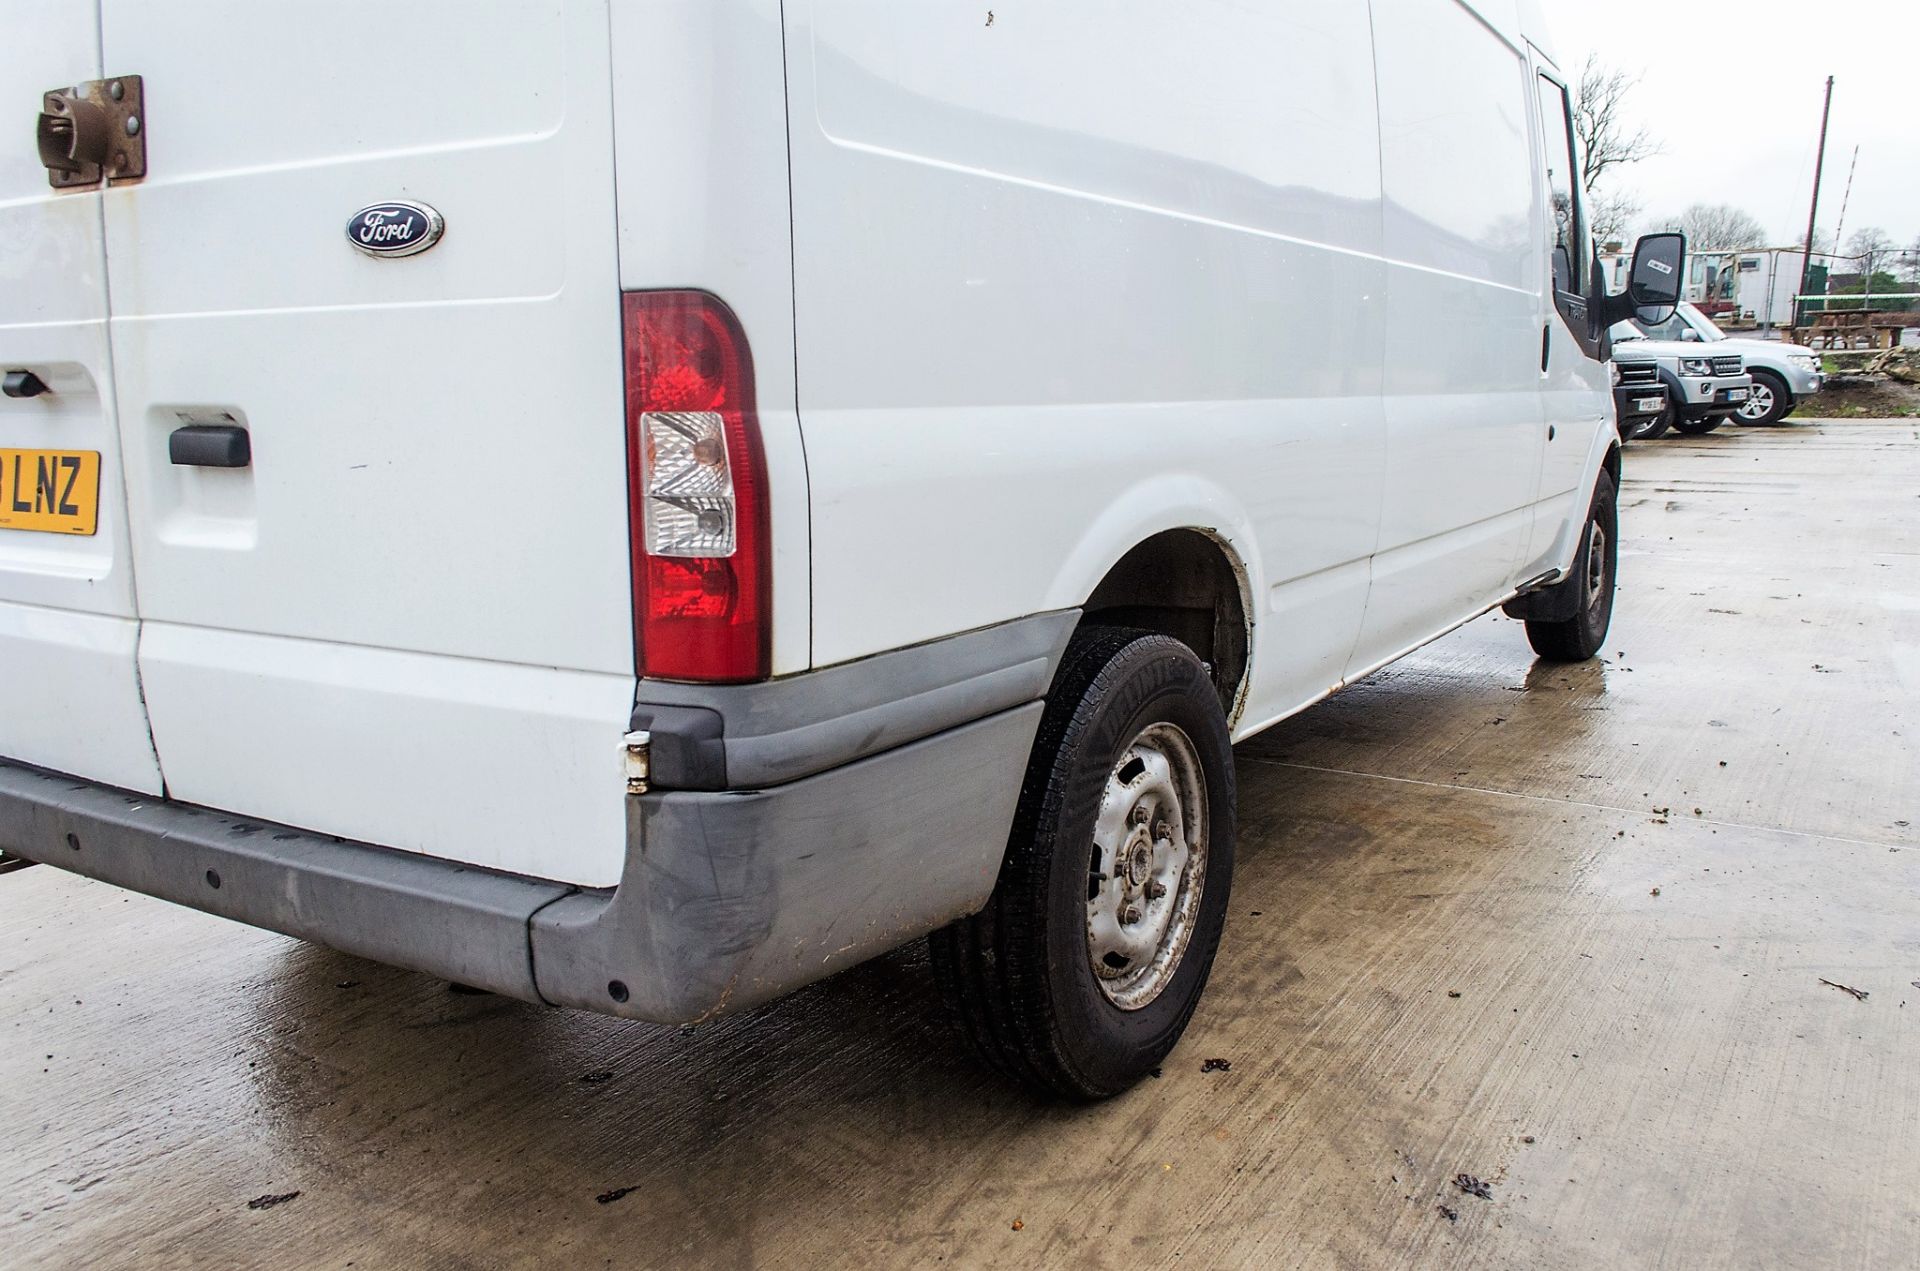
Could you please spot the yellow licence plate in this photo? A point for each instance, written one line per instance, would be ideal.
(54, 491)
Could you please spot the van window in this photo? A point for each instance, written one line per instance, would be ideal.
(1563, 190)
(1455, 152)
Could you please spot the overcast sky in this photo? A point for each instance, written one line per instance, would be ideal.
(1731, 89)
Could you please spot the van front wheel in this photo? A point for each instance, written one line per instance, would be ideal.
(1591, 584)
(1085, 966)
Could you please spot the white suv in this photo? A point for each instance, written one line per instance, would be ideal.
(1704, 388)
(1782, 373)
(642, 506)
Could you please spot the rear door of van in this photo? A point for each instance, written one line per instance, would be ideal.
(69, 691)
(405, 618)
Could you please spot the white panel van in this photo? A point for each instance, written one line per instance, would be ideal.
(642, 506)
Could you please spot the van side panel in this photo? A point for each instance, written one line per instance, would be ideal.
(1076, 275)
(1464, 321)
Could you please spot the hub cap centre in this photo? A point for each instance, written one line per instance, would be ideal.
(1139, 863)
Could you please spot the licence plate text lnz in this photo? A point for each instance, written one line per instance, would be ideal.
(53, 491)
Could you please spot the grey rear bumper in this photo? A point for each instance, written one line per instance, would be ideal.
(412, 911)
(728, 897)
(732, 899)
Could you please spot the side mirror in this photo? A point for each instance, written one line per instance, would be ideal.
(1654, 282)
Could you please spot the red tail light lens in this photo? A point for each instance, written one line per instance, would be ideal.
(697, 482)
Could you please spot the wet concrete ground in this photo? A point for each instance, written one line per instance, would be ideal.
(1634, 875)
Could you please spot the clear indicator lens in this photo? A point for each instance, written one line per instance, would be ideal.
(686, 453)
(696, 526)
(689, 486)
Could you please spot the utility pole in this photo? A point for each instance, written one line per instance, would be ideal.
(1813, 211)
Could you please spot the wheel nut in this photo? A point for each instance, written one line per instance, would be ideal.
(1130, 915)
(1156, 889)
(1139, 814)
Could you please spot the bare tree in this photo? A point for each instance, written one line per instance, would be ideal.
(1910, 260)
(1612, 216)
(1599, 119)
(1823, 243)
(1718, 227)
(1873, 250)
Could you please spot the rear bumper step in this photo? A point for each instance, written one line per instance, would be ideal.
(412, 911)
(728, 898)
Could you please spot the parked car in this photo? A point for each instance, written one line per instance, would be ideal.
(1639, 400)
(1704, 388)
(642, 507)
(1782, 373)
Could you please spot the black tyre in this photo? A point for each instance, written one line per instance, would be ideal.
(1769, 401)
(1587, 592)
(1085, 966)
(1648, 428)
(1699, 425)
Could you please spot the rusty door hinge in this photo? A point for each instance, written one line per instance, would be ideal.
(639, 746)
(93, 132)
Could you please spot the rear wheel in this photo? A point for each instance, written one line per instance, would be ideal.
(1767, 402)
(1589, 586)
(1085, 966)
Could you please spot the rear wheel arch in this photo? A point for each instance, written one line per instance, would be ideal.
(1191, 585)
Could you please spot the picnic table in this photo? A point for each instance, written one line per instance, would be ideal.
(1854, 329)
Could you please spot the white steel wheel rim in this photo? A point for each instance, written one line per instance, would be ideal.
(1149, 866)
(1759, 402)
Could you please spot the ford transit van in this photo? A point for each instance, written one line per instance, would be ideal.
(641, 506)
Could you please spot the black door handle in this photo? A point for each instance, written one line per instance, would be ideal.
(1546, 346)
(210, 446)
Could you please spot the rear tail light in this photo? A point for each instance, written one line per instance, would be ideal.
(697, 482)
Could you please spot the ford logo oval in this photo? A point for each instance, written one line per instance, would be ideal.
(395, 229)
